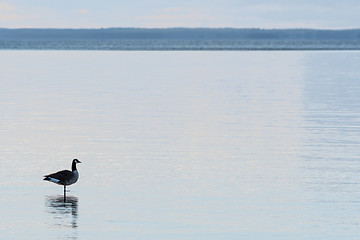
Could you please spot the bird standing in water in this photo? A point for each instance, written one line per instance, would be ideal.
(64, 177)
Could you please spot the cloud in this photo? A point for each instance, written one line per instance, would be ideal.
(261, 8)
(179, 17)
(12, 16)
(84, 11)
(6, 7)
(9, 17)
(7, 12)
(194, 13)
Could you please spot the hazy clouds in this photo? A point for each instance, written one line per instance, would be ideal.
(195, 13)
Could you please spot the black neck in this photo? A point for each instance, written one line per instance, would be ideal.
(73, 166)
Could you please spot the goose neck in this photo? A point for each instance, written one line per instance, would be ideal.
(73, 166)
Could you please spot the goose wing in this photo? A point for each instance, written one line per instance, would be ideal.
(61, 175)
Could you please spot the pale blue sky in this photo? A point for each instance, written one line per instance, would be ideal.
(329, 14)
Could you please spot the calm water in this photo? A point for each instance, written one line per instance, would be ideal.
(181, 145)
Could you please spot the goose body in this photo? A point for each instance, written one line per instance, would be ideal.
(64, 177)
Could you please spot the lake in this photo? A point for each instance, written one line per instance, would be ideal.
(181, 145)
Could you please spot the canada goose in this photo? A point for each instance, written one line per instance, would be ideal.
(64, 177)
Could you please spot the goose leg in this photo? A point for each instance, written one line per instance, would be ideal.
(64, 192)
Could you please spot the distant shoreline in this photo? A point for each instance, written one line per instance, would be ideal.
(179, 33)
(181, 39)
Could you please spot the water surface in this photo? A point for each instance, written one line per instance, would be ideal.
(180, 145)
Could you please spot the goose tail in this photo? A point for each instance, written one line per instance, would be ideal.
(51, 179)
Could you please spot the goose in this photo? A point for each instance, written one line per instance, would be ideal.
(64, 177)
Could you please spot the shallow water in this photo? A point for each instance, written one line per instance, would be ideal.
(180, 145)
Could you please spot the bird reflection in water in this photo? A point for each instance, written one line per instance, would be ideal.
(63, 210)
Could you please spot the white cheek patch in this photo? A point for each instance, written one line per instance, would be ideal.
(54, 180)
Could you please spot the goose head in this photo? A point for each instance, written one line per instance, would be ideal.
(76, 161)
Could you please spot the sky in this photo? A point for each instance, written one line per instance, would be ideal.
(318, 14)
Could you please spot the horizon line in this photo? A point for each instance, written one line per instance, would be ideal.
(190, 28)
